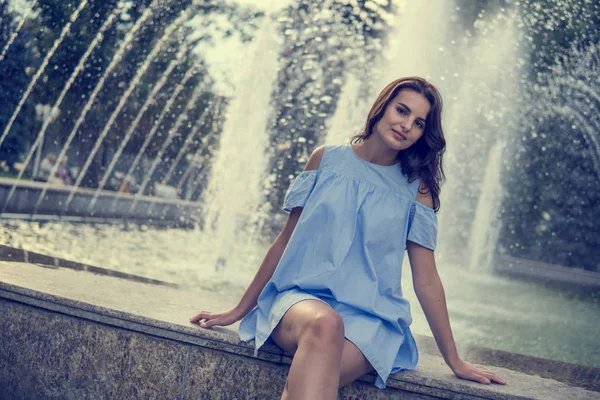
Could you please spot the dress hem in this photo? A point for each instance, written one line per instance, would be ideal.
(364, 348)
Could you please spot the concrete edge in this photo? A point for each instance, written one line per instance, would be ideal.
(571, 374)
(13, 254)
(130, 322)
(108, 193)
(227, 342)
(582, 376)
(540, 272)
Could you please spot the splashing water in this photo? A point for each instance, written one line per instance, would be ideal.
(55, 108)
(129, 37)
(234, 187)
(198, 91)
(16, 32)
(188, 75)
(149, 100)
(484, 232)
(132, 85)
(41, 69)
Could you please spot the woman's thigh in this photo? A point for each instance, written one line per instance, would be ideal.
(354, 364)
(287, 333)
(297, 318)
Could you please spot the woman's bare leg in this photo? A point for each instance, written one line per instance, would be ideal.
(315, 333)
(354, 364)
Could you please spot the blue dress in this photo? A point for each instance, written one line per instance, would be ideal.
(347, 251)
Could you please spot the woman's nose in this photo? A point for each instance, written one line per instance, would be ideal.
(406, 124)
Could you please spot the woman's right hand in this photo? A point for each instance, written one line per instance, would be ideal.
(208, 319)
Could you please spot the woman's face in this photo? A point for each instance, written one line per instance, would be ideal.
(403, 121)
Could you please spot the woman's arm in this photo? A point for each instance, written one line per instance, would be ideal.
(267, 268)
(430, 292)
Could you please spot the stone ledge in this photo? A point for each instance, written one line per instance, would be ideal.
(13, 254)
(162, 312)
(64, 189)
(108, 205)
(541, 272)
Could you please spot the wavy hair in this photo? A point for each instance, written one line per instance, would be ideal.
(424, 158)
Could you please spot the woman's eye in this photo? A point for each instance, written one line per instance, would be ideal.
(420, 124)
(402, 111)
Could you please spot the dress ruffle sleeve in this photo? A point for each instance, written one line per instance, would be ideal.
(422, 226)
(299, 190)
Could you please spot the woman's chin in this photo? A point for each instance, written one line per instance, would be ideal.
(398, 144)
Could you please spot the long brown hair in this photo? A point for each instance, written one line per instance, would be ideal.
(424, 158)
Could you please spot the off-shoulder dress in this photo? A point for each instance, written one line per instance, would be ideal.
(347, 251)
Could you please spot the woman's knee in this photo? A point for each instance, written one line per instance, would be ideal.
(324, 328)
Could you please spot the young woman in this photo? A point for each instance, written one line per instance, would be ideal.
(329, 288)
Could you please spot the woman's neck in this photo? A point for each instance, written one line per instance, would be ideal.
(375, 151)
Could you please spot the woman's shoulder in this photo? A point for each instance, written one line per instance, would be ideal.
(322, 156)
(314, 161)
(424, 194)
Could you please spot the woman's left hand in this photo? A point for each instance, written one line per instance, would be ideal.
(466, 371)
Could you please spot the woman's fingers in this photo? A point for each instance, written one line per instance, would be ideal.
(208, 319)
(204, 315)
(211, 322)
(481, 379)
(198, 317)
(465, 371)
(486, 377)
(495, 378)
(474, 376)
(490, 376)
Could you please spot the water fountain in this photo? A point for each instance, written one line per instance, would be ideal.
(558, 149)
(157, 88)
(116, 59)
(310, 75)
(197, 159)
(134, 82)
(109, 21)
(40, 71)
(188, 75)
(198, 91)
(484, 232)
(182, 151)
(129, 38)
(234, 189)
(13, 36)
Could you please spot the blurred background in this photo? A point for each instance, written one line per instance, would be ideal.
(158, 138)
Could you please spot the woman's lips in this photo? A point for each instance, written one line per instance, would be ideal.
(399, 134)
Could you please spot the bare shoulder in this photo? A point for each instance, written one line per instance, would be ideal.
(315, 159)
(424, 195)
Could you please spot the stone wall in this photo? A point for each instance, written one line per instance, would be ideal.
(48, 354)
(146, 208)
(74, 334)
